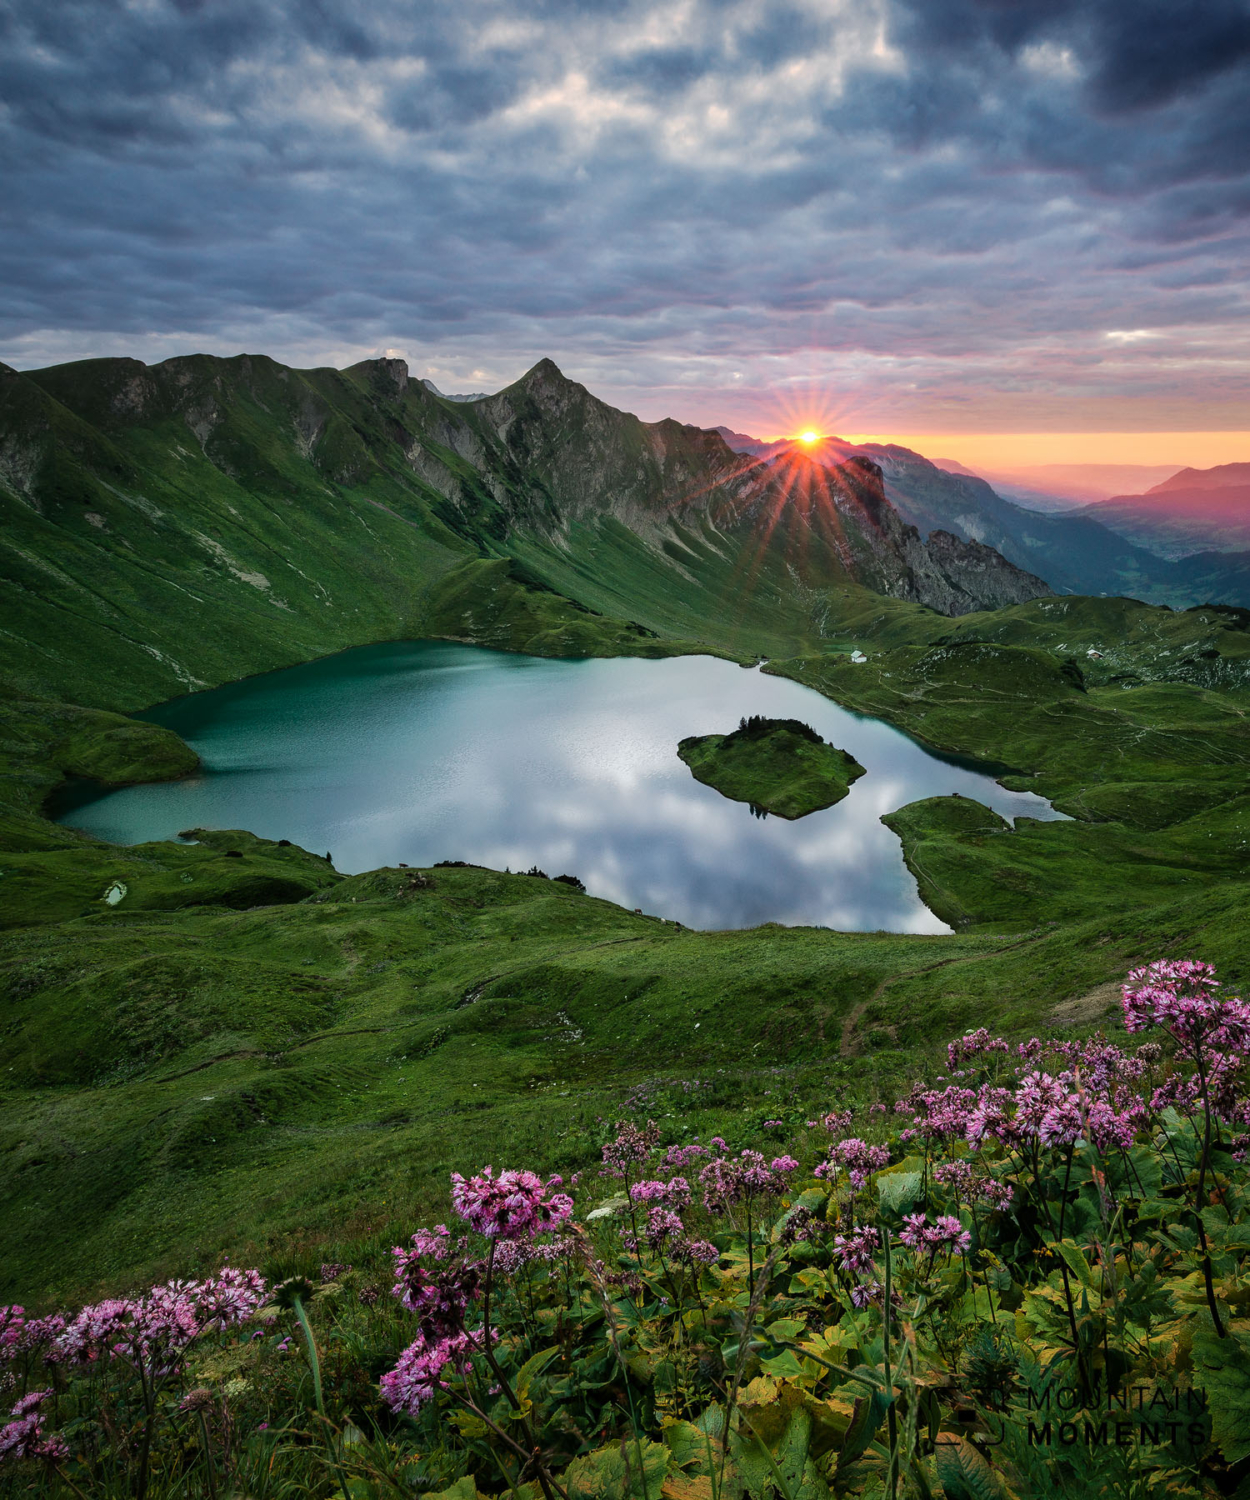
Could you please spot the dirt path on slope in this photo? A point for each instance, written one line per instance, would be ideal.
(850, 1046)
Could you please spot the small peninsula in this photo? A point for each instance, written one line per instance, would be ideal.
(777, 766)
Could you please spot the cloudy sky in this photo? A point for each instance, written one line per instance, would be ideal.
(886, 216)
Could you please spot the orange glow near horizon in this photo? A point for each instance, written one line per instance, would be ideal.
(1005, 451)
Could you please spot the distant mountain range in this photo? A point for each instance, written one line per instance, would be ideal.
(469, 396)
(1079, 484)
(1193, 511)
(1185, 546)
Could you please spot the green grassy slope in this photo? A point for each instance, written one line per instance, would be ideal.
(1155, 773)
(178, 1084)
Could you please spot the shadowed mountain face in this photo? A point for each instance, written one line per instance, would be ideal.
(173, 526)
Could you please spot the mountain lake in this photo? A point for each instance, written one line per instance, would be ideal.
(418, 751)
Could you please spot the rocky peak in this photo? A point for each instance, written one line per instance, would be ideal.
(396, 371)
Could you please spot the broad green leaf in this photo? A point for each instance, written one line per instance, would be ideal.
(627, 1470)
(608, 1207)
(463, 1489)
(866, 1417)
(899, 1190)
(1074, 1258)
(963, 1473)
(784, 1329)
(688, 1487)
(687, 1445)
(1222, 1368)
(784, 1366)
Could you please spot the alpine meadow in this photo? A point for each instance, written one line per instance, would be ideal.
(551, 951)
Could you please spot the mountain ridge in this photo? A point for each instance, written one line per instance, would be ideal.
(1079, 551)
(293, 513)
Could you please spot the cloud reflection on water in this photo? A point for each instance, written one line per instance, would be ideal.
(426, 751)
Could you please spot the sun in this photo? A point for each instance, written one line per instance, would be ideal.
(809, 437)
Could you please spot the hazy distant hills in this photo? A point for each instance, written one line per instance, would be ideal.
(1076, 484)
(174, 526)
(1086, 550)
(1195, 510)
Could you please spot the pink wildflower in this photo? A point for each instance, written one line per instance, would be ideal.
(514, 1204)
(858, 1158)
(631, 1147)
(675, 1193)
(684, 1156)
(695, 1252)
(662, 1224)
(945, 1233)
(1179, 995)
(856, 1249)
(973, 1044)
(418, 1374)
(12, 1321)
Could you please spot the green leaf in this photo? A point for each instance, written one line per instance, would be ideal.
(899, 1190)
(785, 1366)
(608, 1207)
(627, 1470)
(534, 1365)
(1222, 1367)
(686, 1443)
(463, 1489)
(1221, 1233)
(866, 1417)
(963, 1473)
(1074, 1258)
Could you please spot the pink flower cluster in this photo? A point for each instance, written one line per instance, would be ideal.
(436, 1281)
(675, 1193)
(970, 1186)
(155, 1329)
(855, 1250)
(937, 1114)
(945, 1233)
(1179, 995)
(631, 1147)
(25, 1438)
(684, 1156)
(727, 1180)
(439, 1294)
(22, 1335)
(695, 1252)
(977, 1043)
(514, 1205)
(857, 1158)
(418, 1374)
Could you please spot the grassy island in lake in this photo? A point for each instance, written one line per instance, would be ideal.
(776, 765)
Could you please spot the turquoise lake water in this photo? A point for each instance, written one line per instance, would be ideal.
(420, 751)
